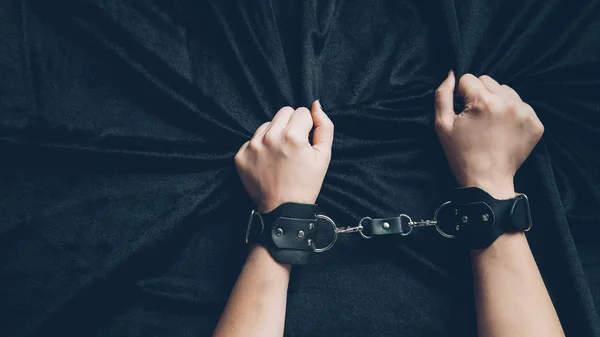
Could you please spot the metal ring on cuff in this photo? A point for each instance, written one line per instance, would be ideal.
(408, 224)
(335, 235)
(512, 209)
(262, 223)
(437, 227)
(361, 232)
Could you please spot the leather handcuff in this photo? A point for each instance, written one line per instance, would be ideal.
(471, 216)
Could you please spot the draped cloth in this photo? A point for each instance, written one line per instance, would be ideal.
(121, 211)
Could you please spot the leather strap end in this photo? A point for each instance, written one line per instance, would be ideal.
(384, 226)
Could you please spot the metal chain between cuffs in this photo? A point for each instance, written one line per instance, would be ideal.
(359, 227)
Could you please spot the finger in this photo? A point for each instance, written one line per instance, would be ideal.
(242, 148)
(300, 124)
(490, 84)
(510, 92)
(323, 133)
(471, 88)
(444, 100)
(261, 130)
(280, 120)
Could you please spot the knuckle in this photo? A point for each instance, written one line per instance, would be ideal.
(441, 126)
(264, 125)
(286, 108)
(539, 129)
(302, 110)
(239, 159)
(536, 125)
(254, 145)
(464, 79)
(501, 106)
(489, 103)
(462, 82)
(292, 137)
(510, 90)
(512, 106)
(270, 139)
(523, 110)
(239, 163)
(522, 116)
(528, 108)
(488, 100)
(439, 123)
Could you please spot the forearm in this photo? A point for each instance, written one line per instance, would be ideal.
(257, 303)
(511, 297)
(485, 145)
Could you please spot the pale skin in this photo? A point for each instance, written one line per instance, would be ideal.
(277, 165)
(485, 145)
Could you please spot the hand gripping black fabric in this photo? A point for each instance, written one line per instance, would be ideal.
(287, 232)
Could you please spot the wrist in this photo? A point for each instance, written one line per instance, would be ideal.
(258, 254)
(499, 190)
(266, 207)
(509, 246)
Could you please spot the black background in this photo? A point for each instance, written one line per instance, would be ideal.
(121, 213)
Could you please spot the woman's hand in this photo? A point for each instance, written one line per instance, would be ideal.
(279, 164)
(486, 143)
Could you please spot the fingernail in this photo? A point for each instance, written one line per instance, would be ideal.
(451, 72)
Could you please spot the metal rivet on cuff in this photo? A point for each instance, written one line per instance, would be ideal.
(464, 219)
(386, 225)
(311, 226)
(301, 234)
(278, 231)
(309, 242)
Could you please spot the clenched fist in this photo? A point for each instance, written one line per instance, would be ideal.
(486, 143)
(279, 164)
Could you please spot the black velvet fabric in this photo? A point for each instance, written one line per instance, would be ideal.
(121, 212)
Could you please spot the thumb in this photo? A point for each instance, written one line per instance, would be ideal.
(444, 101)
(322, 139)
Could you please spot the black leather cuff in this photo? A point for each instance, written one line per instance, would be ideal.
(288, 232)
(480, 219)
